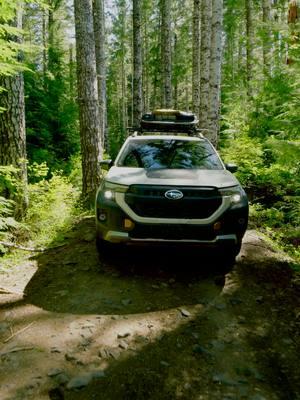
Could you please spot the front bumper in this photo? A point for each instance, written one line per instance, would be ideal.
(224, 229)
(124, 237)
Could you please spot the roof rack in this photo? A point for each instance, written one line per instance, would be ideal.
(168, 121)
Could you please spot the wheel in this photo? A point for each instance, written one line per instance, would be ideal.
(237, 248)
(226, 257)
(107, 250)
(103, 247)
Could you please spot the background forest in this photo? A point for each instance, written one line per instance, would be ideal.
(235, 64)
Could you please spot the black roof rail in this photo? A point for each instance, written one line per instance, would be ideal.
(195, 132)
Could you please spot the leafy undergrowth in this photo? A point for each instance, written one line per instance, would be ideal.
(268, 172)
(54, 205)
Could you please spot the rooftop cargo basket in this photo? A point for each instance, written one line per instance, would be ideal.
(169, 121)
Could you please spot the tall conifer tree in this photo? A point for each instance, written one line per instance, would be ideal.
(12, 125)
(137, 62)
(90, 124)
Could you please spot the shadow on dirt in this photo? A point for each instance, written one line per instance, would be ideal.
(242, 348)
(74, 279)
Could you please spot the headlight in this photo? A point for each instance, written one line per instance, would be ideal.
(109, 194)
(236, 194)
(109, 189)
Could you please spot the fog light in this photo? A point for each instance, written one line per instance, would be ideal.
(241, 221)
(217, 226)
(102, 216)
(128, 224)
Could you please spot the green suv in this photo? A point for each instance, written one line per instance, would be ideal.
(169, 185)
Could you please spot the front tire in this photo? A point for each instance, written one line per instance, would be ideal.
(103, 247)
(227, 256)
(107, 250)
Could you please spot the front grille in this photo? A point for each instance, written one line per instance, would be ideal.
(172, 232)
(149, 201)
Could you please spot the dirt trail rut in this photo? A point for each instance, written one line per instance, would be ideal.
(149, 323)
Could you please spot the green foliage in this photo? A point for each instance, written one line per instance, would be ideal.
(37, 172)
(8, 49)
(8, 184)
(269, 170)
(52, 206)
(10, 45)
(52, 124)
(51, 118)
(260, 128)
(74, 171)
(251, 161)
(274, 109)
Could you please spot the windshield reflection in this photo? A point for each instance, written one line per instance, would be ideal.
(171, 154)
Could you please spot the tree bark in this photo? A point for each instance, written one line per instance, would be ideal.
(123, 99)
(249, 45)
(266, 16)
(196, 57)
(293, 18)
(215, 71)
(12, 129)
(146, 71)
(137, 63)
(44, 38)
(205, 63)
(166, 53)
(99, 31)
(90, 124)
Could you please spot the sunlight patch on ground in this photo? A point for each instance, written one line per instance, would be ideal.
(22, 272)
(78, 343)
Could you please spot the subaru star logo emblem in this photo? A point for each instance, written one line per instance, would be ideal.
(174, 194)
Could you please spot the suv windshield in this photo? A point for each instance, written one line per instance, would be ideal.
(173, 154)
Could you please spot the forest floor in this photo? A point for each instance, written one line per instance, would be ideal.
(150, 323)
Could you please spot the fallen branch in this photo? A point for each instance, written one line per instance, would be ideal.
(16, 333)
(6, 291)
(16, 246)
(261, 245)
(41, 250)
(15, 350)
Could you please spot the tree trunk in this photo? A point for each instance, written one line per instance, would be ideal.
(99, 31)
(124, 114)
(12, 129)
(187, 94)
(205, 63)
(175, 79)
(196, 57)
(249, 45)
(51, 45)
(44, 38)
(266, 8)
(72, 74)
(293, 18)
(90, 125)
(166, 53)
(137, 63)
(215, 71)
(146, 72)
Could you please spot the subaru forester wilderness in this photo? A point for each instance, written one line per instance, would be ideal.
(168, 184)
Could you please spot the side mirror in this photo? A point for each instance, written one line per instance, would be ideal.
(106, 164)
(231, 167)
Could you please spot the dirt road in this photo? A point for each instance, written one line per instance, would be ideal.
(149, 324)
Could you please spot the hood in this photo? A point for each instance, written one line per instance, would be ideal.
(174, 177)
